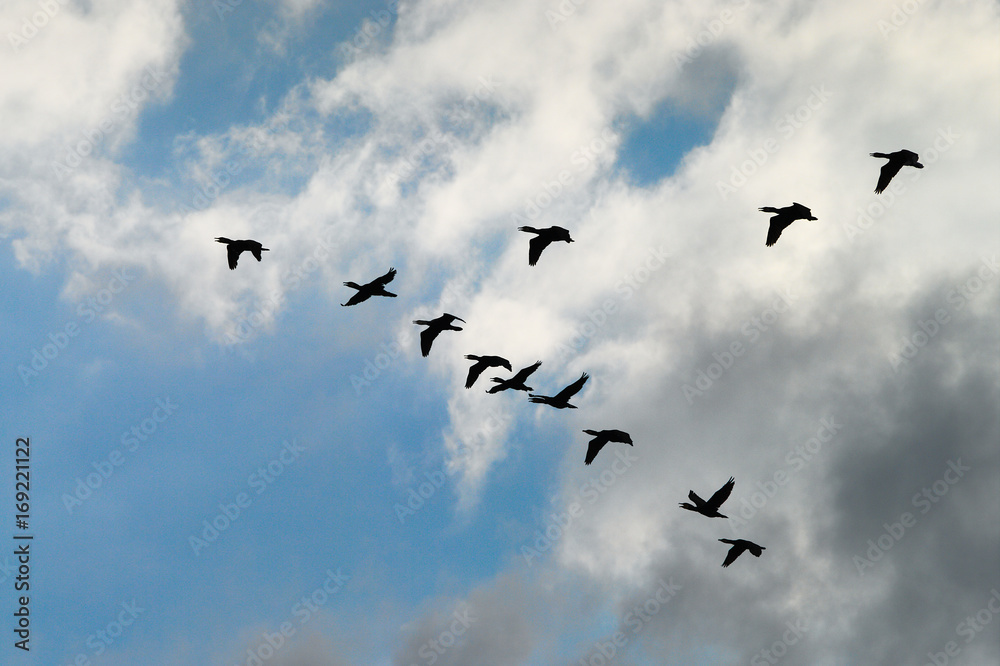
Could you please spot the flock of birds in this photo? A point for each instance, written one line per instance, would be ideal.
(782, 218)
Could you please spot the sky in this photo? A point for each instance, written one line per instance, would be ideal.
(229, 467)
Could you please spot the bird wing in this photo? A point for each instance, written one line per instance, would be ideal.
(889, 169)
(722, 494)
(474, 372)
(754, 549)
(385, 279)
(524, 373)
(535, 247)
(256, 251)
(359, 297)
(572, 389)
(694, 498)
(778, 225)
(595, 446)
(426, 338)
(733, 553)
(234, 255)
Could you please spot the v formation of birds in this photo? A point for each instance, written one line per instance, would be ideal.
(781, 219)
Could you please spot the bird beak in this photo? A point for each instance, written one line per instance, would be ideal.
(461, 320)
(265, 249)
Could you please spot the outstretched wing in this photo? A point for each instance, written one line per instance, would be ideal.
(722, 494)
(889, 169)
(778, 225)
(477, 369)
(427, 338)
(596, 445)
(234, 255)
(733, 553)
(535, 247)
(573, 388)
(256, 252)
(385, 279)
(694, 498)
(524, 373)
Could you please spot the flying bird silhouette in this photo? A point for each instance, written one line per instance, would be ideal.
(481, 363)
(542, 240)
(235, 247)
(783, 217)
(740, 545)
(374, 288)
(602, 437)
(435, 326)
(516, 382)
(897, 161)
(561, 399)
(711, 507)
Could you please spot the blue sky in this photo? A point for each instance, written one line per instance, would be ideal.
(187, 394)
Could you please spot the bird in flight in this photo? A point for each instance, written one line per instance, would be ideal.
(897, 161)
(740, 545)
(374, 288)
(783, 217)
(602, 437)
(235, 247)
(481, 363)
(516, 382)
(561, 399)
(435, 326)
(542, 240)
(711, 507)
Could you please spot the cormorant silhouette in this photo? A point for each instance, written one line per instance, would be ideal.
(711, 507)
(542, 240)
(897, 161)
(516, 382)
(481, 363)
(235, 247)
(602, 437)
(374, 288)
(435, 326)
(561, 399)
(783, 217)
(740, 545)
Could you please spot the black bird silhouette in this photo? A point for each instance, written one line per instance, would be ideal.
(235, 247)
(711, 507)
(542, 240)
(740, 545)
(897, 161)
(516, 382)
(481, 363)
(783, 217)
(602, 437)
(374, 288)
(561, 399)
(435, 326)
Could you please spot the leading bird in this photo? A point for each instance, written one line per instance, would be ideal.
(561, 400)
(236, 247)
(374, 288)
(897, 161)
(739, 546)
(711, 507)
(542, 240)
(602, 437)
(434, 327)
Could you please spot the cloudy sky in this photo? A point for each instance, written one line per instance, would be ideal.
(228, 467)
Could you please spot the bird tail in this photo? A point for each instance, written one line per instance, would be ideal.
(220, 239)
(531, 229)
